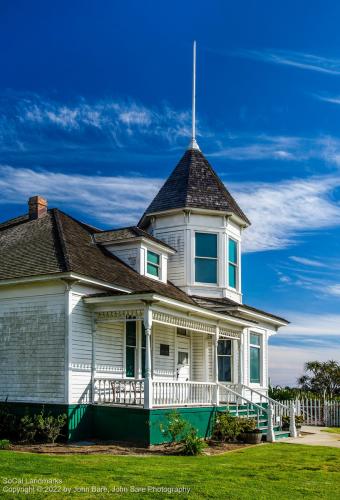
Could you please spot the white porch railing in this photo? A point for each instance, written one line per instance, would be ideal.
(175, 393)
(119, 391)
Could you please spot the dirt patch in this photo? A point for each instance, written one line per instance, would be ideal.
(114, 448)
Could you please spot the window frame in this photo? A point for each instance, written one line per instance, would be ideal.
(158, 266)
(139, 350)
(234, 265)
(230, 356)
(259, 349)
(216, 259)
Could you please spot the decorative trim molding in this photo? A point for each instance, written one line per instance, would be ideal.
(137, 314)
(187, 323)
(229, 334)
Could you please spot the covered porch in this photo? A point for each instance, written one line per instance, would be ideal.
(151, 352)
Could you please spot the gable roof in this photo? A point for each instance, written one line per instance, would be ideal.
(193, 184)
(57, 243)
(127, 234)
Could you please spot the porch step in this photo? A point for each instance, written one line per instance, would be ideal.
(282, 434)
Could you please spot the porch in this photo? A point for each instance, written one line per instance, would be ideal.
(151, 357)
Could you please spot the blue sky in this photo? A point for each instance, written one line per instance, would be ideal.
(95, 112)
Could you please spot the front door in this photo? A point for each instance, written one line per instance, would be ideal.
(183, 359)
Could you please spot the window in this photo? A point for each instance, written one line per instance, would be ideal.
(181, 331)
(255, 358)
(224, 360)
(153, 263)
(164, 349)
(131, 339)
(233, 263)
(206, 258)
(134, 338)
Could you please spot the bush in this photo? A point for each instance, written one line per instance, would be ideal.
(4, 444)
(229, 428)
(28, 429)
(175, 427)
(50, 427)
(192, 444)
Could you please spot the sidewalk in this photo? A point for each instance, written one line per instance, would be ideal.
(315, 437)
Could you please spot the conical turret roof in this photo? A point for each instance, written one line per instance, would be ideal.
(194, 184)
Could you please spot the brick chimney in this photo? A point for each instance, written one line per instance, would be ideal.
(37, 207)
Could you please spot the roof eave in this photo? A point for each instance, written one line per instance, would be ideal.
(206, 211)
(260, 316)
(130, 241)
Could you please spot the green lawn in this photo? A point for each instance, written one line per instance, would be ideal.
(277, 471)
(333, 430)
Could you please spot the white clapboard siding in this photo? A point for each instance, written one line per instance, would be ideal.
(176, 263)
(198, 347)
(32, 345)
(163, 366)
(81, 351)
(109, 350)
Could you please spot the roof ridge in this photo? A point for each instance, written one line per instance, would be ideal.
(62, 240)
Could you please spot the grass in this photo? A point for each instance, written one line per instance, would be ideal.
(333, 430)
(276, 471)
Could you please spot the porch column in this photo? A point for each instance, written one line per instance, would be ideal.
(240, 359)
(217, 398)
(148, 378)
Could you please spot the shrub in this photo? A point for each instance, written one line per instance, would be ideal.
(28, 429)
(8, 423)
(226, 428)
(4, 444)
(247, 424)
(50, 427)
(230, 428)
(175, 427)
(192, 444)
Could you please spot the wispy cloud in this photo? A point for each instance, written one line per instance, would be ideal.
(125, 197)
(32, 121)
(301, 60)
(307, 262)
(280, 212)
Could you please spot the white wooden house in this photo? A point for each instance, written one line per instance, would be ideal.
(116, 327)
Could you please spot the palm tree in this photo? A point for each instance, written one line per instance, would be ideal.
(322, 378)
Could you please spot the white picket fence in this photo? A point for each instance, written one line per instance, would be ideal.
(317, 411)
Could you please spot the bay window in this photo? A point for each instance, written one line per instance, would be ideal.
(232, 263)
(206, 258)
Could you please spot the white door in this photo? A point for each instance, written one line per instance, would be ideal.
(183, 359)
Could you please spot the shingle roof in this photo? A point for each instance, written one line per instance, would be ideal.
(225, 305)
(58, 243)
(194, 184)
(127, 233)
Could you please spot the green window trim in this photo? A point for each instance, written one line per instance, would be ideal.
(232, 263)
(206, 258)
(153, 263)
(255, 358)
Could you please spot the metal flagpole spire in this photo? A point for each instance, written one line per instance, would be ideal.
(193, 144)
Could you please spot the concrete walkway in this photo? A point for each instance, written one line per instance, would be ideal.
(315, 437)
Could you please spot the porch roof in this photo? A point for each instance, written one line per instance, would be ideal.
(115, 300)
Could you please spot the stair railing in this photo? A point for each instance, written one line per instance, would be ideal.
(279, 409)
(274, 409)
